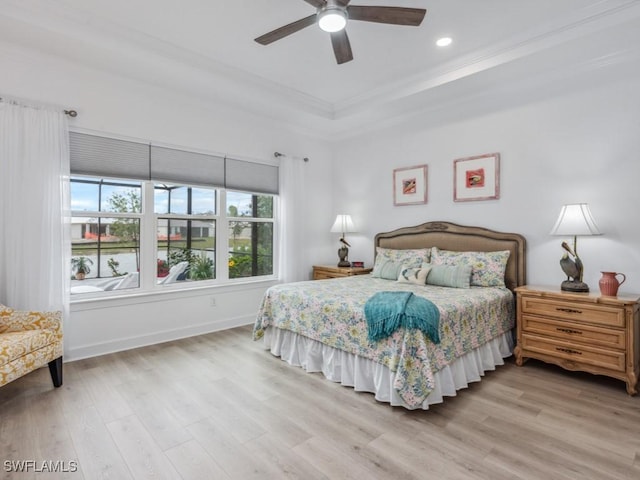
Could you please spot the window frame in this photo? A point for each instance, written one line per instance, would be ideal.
(194, 217)
(99, 214)
(148, 245)
(255, 220)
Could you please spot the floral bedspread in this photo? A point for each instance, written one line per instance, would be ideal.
(332, 312)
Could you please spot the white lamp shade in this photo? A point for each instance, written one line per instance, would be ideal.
(332, 19)
(575, 219)
(343, 224)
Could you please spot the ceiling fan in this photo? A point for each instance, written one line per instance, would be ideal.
(332, 16)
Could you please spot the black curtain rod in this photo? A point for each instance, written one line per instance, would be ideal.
(278, 155)
(71, 113)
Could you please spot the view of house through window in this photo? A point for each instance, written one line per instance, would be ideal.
(105, 234)
(113, 219)
(185, 232)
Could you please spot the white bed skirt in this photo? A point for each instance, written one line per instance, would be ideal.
(365, 375)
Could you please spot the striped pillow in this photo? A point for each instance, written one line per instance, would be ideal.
(450, 276)
(387, 270)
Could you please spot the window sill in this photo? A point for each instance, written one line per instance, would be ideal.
(138, 296)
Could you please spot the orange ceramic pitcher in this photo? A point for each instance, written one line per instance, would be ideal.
(609, 283)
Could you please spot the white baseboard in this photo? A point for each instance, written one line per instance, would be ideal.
(112, 346)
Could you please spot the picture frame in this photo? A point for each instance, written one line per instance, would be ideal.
(476, 178)
(410, 185)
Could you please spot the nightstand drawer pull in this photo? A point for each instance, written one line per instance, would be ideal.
(568, 330)
(568, 350)
(568, 310)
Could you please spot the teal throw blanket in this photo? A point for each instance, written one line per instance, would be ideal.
(385, 312)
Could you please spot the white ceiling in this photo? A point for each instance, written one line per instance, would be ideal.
(206, 48)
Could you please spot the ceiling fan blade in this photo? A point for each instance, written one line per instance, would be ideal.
(287, 30)
(341, 46)
(317, 3)
(393, 15)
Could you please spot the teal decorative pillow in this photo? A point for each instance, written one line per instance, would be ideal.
(386, 269)
(415, 275)
(487, 268)
(413, 257)
(450, 276)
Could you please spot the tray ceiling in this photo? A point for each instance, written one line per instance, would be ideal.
(207, 48)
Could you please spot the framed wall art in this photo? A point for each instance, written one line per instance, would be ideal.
(410, 185)
(476, 178)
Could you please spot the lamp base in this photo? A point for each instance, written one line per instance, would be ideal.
(574, 286)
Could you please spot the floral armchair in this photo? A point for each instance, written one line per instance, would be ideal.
(28, 341)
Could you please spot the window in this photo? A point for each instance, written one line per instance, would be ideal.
(250, 234)
(105, 231)
(145, 217)
(186, 230)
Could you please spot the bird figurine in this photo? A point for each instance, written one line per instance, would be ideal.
(569, 267)
(566, 246)
(343, 253)
(573, 268)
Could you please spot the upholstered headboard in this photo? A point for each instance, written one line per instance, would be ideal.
(449, 236)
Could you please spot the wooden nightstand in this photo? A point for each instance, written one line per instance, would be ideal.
(580, 331)
(322, 272)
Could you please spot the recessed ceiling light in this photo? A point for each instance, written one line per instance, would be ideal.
(444, 41)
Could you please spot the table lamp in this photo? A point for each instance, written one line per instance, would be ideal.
(574, 220)
(343, 224)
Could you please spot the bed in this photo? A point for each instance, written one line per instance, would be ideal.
(321, 325)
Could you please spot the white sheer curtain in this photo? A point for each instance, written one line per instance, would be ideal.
(292, 219)
(34, 216)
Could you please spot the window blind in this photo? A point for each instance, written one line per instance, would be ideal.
(186, 168)
(109, 157)
(251, 177)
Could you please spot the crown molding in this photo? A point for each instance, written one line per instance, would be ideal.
(582, 24)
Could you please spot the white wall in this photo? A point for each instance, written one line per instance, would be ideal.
(580, 146)
(117, 105)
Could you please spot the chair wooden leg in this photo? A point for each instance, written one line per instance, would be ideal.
(55, 368)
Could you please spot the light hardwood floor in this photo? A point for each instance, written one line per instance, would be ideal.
(218, 406)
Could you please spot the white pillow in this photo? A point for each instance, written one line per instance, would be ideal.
(415, 275)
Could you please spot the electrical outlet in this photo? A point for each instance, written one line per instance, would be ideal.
(212, 301)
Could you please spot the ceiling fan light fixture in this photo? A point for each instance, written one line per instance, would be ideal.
(332, 19)
(332, 16)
